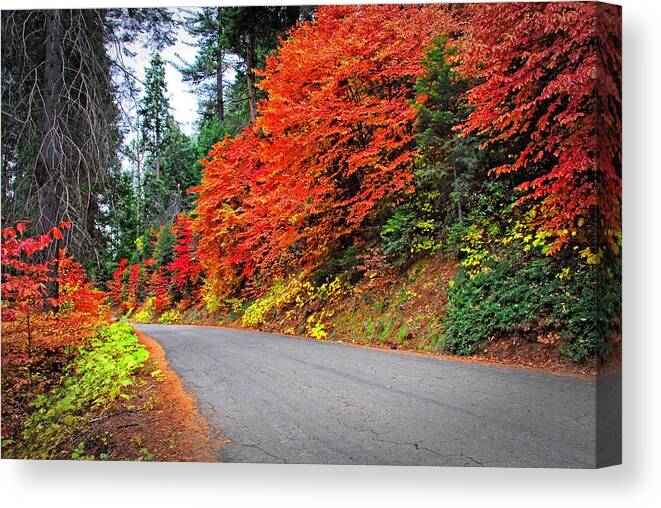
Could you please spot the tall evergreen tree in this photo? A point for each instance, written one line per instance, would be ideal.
(125, 225)
(169, 168)
(179, 168)
(153, 113)
(62, 75)
(207, 72)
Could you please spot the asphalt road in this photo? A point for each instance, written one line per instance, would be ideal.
(289, 400)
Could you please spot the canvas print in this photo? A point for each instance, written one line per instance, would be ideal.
(340, 234)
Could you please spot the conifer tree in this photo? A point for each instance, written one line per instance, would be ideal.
(207, 72)
(154, 113)
(170, 154)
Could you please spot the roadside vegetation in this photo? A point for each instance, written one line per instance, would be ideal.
(101, 372)
(404, 192)
(67, 369)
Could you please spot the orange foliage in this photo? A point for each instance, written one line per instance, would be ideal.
(333, 141)
(117, 285)
(160, 289)
(186, 271)
(133, 287)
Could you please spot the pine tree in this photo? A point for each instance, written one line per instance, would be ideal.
(154, 113)
(179, 168)
(441, 105)
(125, 217)
(206, 73)
(170, 154)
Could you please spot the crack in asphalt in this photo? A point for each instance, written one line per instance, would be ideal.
(257, 447)
(416, 446)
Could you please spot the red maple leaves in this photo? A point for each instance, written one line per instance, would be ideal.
(549, 93)
(27, 305)
(117, 286)
(185, 270)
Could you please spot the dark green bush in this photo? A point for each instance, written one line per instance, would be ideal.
(344, 264)
(397, 235)
(520, 295)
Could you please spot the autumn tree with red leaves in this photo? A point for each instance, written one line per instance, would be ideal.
(291, 189)
(550, 93)
(186, 271)
(159, 287)
(117, 286)
(28, 310)
(133, 289)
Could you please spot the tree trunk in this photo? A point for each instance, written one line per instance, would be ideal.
(138, 195)
(50, 170)
(157, 147)
(220, 107)
(455, 184)
(251, 58)
(50, 154)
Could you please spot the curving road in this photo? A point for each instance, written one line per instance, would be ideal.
(291, 400)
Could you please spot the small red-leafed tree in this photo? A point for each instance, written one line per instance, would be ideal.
(159, 283)
(117, 286)
(550, 97)
(27, 308)
(24, 281)
(186, 271)
(81, 306)
(133, 287)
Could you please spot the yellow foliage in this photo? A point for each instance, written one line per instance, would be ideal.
(214, 297)
(145, 313)
(278, 295)
(210, 297)
(139, 244)
(591, 258)
(315, 327)
(302, 294)
(476, 249)
(171, 316)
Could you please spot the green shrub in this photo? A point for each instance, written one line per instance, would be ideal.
(344, 264)
(99, 374)
(521, 295)
(411, 230)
